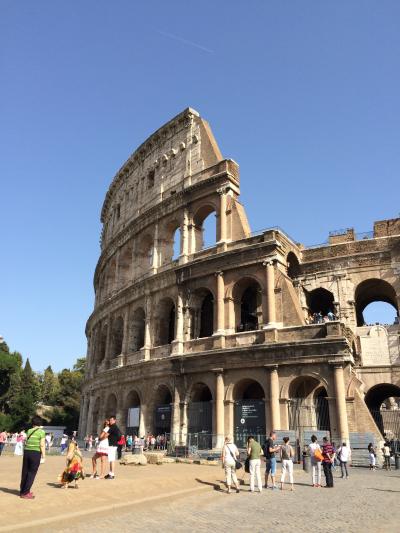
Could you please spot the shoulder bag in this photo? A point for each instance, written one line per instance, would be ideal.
(238, 464)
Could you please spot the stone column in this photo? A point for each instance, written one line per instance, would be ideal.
(125, 340)
(270, 290)
(175, 417)
(82, 417)
(185, 237)
(275, 413)
(155, 248)
(108, 341)
(222, 215)
(184, 423)
(142, 421)
(341, 410)
(220, 303)
(177, 343)
(147, 333)
(219, 409)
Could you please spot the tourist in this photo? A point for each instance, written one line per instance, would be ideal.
(86, 441)
(316, 459)
(129, 443)
(19, 445)
(47, 441)
(229, 457)
(344, 455)
(372, 456)
(74, 468)
(287, 455)
(114, 434)
(63, 443)
(90, 443)
(3, 440)
(101, 452)
(254, 453)
(34, 454)
(328, 456)
(121, 444)
(269, 450)
(386, 456)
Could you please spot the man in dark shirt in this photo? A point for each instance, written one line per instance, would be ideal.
(269, 450)
(114, 434)
(328, 453)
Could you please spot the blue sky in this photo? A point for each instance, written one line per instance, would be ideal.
(304, 95)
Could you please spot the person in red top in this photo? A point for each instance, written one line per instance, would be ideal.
(121, 444)
(329, 454)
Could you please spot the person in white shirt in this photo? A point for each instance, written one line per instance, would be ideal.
(344, 455)
(229, 455)
(315, 464)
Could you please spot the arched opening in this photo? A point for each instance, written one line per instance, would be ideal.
(145, 254)
(101, 353)
(137, 330)
(176, 245)
(201, 314)
(248, 305)
(199, 411)
(162, 411)
(166, 322)
(320, 303)
(293, 265)
(110, 277)
(125, 265)
(308, 406)
(95, 418)
(133, 414)
(249, 414)
(205, 227)
(117, 337)
(371, 291)
(111, 405)
(383, 401)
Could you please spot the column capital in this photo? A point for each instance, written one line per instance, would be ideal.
(223, 190)
(218, 273)
(271, 368)
(269, 261)
(217, 371)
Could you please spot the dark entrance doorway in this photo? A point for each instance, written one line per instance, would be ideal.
(199, 412)
(249, 412)
(162, 412)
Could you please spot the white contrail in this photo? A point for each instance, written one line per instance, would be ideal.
(185, 41)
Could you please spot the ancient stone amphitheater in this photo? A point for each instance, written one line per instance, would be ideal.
(198, 342)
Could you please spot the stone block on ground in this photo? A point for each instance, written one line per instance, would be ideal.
(132, 459)
(154, 458)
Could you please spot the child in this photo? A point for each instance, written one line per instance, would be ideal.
(74, 469)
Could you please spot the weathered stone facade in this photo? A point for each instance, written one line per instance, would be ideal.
(221, 326)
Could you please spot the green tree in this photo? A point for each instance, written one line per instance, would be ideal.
(49, 387)
(25, 397)
(10, 366)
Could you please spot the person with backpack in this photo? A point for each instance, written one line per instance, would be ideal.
(287, 455)
(229, 458)
(113, 434)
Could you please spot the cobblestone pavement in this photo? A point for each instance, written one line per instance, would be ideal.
(366, 501)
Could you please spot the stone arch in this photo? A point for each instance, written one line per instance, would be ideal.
(292, 265)
(373, 290)
(320, 300)
(202, 315)
(383, 402)
(102, 345)
(136, 330)
(247, 299)
(308, 404)
(165, 328)
(199, 218)
(162, 403)
(200, 415)
(117, 337)
(111, 405)
(249, 410)
(145, 252)
(110, 276)
(125, 264)
(132, 412)
(96, 417)
(170, 241)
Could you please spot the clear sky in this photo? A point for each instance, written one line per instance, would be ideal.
(304, 95)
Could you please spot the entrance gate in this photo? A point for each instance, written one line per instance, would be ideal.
(308, 417)
(162, 419)
(200, 424)
(249, 420)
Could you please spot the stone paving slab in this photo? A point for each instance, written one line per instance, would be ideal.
(183, 498)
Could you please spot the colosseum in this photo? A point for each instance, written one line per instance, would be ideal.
(253, 333)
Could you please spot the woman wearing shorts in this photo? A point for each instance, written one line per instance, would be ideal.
(101, 453)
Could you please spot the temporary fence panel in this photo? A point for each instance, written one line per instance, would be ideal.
(162, 419)
(249, 420)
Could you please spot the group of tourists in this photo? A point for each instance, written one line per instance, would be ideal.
(322, 458)
(320, 318)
